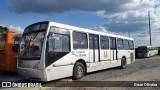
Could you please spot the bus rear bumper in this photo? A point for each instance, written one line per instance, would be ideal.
(32, 74)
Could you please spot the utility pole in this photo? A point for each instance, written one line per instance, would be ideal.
(129, 34)
(149, 28)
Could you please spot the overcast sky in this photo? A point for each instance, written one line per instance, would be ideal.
(112, 16)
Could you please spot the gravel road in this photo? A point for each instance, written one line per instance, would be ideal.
(143, 65)
(144, 69)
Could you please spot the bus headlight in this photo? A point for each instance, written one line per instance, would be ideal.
(36, 66)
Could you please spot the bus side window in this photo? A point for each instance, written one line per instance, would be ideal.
(120, 44)
(80, 40)
(113, 43)
(58, 42)
(126, 45)
(131, 45)
(51, 42)
(104, 42)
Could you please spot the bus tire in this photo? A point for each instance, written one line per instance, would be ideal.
(123, 63)
(78, 71)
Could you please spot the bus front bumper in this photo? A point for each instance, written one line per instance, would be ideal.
(32, 74)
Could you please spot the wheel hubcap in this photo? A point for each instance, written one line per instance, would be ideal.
(79, 71)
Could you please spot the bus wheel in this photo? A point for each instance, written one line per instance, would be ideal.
(123, 63)
(78, 71)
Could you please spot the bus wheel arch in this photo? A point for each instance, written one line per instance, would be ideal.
(81, 66)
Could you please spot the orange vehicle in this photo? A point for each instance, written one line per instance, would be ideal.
(9, 43)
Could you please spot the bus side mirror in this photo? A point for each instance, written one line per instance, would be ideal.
(50, 34)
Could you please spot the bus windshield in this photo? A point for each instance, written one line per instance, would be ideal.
(2, 41)
(31, 45)
(143, 49)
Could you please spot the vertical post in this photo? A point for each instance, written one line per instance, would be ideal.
(149, 28)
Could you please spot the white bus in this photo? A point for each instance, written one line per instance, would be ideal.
(147, 51)
(51, 51)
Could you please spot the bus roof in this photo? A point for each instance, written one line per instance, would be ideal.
(60, 25)
(85, 30)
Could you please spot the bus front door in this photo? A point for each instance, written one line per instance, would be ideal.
(94, 50)
(113, 50)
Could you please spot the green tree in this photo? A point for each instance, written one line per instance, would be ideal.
(3, 29)
(6, 29)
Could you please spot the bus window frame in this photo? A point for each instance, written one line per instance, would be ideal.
(102, 38)
(122, 45)
(80, 40)
(131, 46)
(111, 46)
(51, 31)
